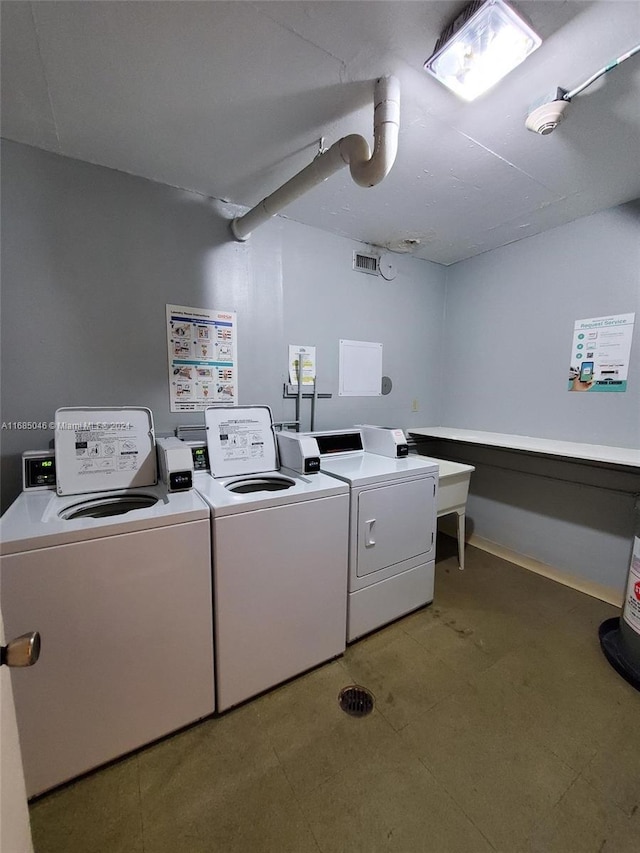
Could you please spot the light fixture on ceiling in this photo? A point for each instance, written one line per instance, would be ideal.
(484, 43)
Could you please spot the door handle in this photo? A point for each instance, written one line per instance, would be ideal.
(369, 541)
(23, 651)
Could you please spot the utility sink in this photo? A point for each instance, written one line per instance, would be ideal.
(453, 486)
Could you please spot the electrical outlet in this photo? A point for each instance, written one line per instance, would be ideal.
(415, 406)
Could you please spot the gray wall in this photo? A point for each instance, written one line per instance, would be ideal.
(508, 332)
(574, 517)
(326, 301)
(90, 257)
(509, 320)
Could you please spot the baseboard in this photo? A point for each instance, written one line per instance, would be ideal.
(596, 590)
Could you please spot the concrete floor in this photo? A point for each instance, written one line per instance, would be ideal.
(498, 726)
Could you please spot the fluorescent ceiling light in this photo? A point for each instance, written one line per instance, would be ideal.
(484, 43)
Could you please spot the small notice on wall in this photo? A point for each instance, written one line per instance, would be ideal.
(302, 361)
(203, 365)
(600, 353)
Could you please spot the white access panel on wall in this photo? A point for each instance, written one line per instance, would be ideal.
(389, 529)
(360, 373)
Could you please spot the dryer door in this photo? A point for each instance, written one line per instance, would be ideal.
(395, 523)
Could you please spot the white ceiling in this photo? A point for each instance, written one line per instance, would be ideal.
(231, 98)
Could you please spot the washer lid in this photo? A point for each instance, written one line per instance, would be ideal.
(240, 440)
(103, 449)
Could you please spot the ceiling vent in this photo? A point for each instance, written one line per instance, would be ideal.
(366, 263)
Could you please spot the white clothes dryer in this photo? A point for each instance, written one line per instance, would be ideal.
(280, 543)
(118, 584)
(392, 529)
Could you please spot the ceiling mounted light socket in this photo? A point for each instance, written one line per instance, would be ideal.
(545, 118)
(481, 46)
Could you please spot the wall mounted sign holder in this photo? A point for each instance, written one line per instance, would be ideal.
(297, 391)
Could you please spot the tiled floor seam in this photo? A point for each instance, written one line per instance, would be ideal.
(457, 804)
(298, 802)
(543, 817)
(601, 795)
(444, 623)
(579, 771)
(424, 710)
(142, 833)
(453, 691)
(555, 805)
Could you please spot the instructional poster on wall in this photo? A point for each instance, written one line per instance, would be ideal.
(600, 353)
(203, 364)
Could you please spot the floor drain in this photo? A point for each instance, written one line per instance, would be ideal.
(356, 701)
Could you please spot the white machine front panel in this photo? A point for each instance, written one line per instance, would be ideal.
(362, 469)
(225, 502)
(380, 603)
(240, 440)
(104, 449)
(33, 519)
(395, 523)
(280, 584)
(127, 651)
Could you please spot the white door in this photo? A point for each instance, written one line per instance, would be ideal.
(395, 523)
(15, 833)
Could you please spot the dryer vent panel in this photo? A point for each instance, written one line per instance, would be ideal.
(369, 264)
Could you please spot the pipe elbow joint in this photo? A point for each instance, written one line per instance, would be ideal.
(371, 170)
(366, 169)
(354, 149)
(238, 231)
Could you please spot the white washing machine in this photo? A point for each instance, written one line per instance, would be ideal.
(392, 528)
(118, 583)
(280, 543)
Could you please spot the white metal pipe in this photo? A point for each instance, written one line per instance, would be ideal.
(300, 390)
(366, 169)
(613, 64)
